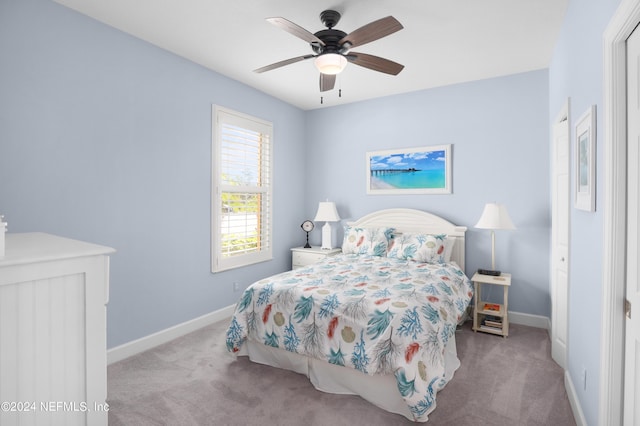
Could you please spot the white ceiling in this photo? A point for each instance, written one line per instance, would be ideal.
(443, 41)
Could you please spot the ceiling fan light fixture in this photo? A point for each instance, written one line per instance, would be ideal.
(330, 63)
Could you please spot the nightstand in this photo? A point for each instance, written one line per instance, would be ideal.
(490, 317)
(301, 256)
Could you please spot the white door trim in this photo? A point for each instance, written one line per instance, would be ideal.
(625, 19)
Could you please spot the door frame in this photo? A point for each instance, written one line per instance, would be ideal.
(622, 24)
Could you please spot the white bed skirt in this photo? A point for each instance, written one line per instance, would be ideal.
(380, 390)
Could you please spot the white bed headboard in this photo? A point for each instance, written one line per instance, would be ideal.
(417, 221)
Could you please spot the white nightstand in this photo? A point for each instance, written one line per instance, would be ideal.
(301, 256)
(491, 317)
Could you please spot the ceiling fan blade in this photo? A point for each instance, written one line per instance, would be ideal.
(295, 29)
(375, 63)
(327, 81)
(371, 32)
(283, 63)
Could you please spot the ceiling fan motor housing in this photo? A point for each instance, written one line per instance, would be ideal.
(330, 38)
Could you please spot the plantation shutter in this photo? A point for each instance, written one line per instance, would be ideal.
(242, 207)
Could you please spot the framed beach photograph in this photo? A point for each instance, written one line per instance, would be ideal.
(424, 170)
(585, 151)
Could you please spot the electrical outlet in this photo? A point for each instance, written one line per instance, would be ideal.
(584, 378)
(236, 286)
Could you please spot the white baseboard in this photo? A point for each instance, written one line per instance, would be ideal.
(573, 401)
(145, 343)
(537, 321)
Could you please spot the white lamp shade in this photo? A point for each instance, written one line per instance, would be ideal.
(330, 63)
(327, 212)
(495, 216)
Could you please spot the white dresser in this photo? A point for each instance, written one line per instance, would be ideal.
(53, 360)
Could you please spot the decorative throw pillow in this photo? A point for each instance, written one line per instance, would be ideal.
(427, 248)
(372, 241)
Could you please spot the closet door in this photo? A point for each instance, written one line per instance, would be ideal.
(560, 237)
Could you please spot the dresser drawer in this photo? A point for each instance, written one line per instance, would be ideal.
(306, 256)
(303, 259)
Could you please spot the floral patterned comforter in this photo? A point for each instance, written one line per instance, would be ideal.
(378, 315)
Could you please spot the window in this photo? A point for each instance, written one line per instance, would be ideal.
(241, 186)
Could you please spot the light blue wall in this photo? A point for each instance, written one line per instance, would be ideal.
(499, 133)
(106, 138)
(576, 72)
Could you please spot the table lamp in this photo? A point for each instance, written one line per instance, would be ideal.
(327, 213)
(494, 217)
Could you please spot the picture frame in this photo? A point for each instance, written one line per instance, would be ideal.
(585, 161)
(421, 170)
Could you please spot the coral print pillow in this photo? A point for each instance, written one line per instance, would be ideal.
(427, 248)
(372, 241)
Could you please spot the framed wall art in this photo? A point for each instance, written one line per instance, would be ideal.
(423, 170)
(585, 164)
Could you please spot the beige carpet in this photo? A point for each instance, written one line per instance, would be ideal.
(194, 381)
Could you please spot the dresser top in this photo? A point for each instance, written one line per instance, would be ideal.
(31, 247)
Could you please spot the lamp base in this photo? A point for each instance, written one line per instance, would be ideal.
(489, 272)
(326, 237)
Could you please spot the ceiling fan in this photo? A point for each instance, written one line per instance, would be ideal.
(331, 47)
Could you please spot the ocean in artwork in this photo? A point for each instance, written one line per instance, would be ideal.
(413, 179)
(413, 170)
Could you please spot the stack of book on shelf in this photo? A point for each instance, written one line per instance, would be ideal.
(492, 323)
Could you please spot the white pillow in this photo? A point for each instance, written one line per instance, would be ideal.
(448, 248)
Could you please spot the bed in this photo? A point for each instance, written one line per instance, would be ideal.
(377, 320)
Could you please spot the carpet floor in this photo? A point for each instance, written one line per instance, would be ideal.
(193, 380)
